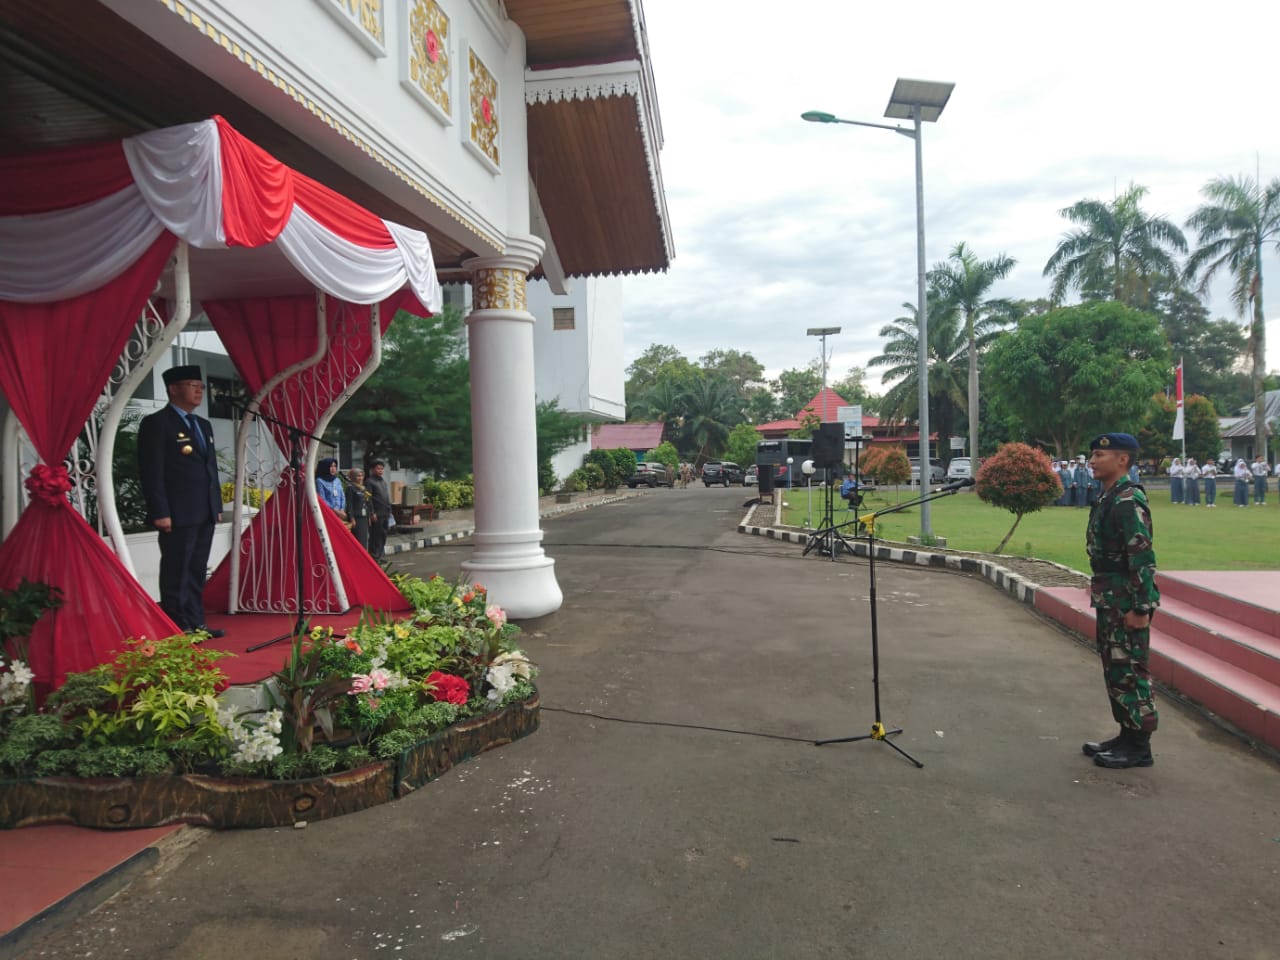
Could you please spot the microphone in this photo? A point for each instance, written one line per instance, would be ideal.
(958, 484)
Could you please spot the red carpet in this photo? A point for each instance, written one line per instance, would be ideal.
(245, 630)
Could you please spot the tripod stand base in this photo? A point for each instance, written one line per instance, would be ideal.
(878, 732)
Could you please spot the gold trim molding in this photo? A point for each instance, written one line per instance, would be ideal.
(499, 288)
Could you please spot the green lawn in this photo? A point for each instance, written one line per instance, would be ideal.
(1187, 538)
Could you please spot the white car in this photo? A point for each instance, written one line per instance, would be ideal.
(936, 472)
(961, 468)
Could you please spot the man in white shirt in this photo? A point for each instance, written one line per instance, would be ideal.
(1260, 471)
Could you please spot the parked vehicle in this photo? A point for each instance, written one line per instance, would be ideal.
(722, 471)
(960, 468)
(937, 473)
(650, 475)
(750, 478)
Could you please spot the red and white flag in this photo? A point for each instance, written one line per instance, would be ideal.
(1179, 427)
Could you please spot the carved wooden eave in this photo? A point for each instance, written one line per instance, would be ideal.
(593, 156)
(595, 134)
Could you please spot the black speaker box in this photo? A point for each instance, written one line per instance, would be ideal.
(828, 444)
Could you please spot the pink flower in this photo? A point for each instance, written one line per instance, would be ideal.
(497, 616)
(380, 678)
(361, 683)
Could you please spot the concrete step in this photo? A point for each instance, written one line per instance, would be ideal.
(1214, 670)
(1227, 639)
(1247, 597)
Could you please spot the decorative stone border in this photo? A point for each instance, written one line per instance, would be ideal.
(1005, 579)
(114, 803)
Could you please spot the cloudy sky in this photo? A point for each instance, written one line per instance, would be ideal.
(781, 225)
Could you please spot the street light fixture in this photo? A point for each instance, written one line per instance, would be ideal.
(918, 101)
(807, 468)
(823, 332)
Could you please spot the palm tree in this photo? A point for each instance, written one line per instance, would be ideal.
(711, 409)
(963, 281)
(947, 365)
(1240, 218)
(1117, 245)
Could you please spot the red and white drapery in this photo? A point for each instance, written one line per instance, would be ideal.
(85, 234)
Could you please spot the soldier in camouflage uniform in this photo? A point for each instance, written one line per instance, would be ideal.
(1123, 590)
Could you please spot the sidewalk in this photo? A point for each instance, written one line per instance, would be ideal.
(460, 524)
(52, 874)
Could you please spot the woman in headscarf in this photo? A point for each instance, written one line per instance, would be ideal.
(1175, 481)
(1209, 476)
(358, 505)
(1191, 482)
(1241, 473)
(329, 486)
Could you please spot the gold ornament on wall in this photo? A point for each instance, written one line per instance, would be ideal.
(484, 108)
(430, 65)
(499, 289)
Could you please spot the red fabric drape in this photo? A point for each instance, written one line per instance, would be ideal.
(301, 399)
(54, 360)
(257, 190)
(340, 215)
(60, 179)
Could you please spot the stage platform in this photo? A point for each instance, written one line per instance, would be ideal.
(244, 630)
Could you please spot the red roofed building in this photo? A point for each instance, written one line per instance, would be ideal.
(826, 404)
(637, 437)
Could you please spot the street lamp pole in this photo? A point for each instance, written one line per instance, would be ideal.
(917, 101)
(823, 332)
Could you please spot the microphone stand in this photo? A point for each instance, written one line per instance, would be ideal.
(878, 731)
(296, 435)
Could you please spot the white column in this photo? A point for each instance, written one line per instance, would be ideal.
(507, 558)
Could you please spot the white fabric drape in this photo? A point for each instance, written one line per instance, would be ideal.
(178, 185)
(179, 171)
(46, 257)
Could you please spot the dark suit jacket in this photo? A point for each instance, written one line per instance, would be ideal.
(181, 486)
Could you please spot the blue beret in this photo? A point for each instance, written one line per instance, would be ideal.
(1114, 441)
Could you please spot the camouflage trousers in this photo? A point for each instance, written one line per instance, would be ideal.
(1124, 668)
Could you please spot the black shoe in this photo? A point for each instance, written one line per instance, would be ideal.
(1095, 747)
(1134, 750)
(210, 631)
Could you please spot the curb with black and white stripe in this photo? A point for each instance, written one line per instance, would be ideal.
(422, 543)
(1003, 578)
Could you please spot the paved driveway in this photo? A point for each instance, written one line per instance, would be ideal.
(699, 820)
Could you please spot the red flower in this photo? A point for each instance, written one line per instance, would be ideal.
(353, 647)
(433, 46)
(486, 108)
(48, 483)
(468, 596)
(447, 688)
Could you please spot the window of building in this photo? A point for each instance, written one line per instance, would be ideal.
(562, 318)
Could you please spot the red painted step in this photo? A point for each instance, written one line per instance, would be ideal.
(1249, 597)
(1226, 667)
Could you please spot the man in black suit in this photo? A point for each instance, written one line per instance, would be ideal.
(178, 470)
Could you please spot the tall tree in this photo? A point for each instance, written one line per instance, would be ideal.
(794, 388)
(948, 365)
(1118, 245)
(1214, 352)
(853, 387)
(416, 407)
(658, 362)
(711, 411)
(964, 281)
(1077, 371)
(740, 369)
(1239, 218)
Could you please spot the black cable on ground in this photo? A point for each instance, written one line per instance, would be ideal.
(682, 726)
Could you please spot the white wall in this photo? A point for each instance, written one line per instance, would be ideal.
(581, 368)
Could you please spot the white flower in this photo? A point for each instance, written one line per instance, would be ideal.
(502, 678)
(520, 664)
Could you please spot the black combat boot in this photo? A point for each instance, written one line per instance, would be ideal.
(1134, 750)
(1094, 747)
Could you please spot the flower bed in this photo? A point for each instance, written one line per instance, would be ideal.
(349, 722)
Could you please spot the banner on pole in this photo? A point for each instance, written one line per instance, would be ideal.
(1179, 425)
